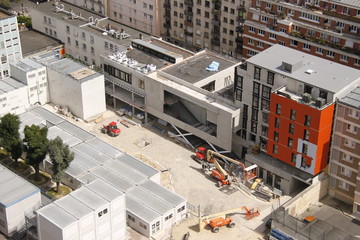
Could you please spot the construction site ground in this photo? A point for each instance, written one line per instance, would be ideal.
(180, 173)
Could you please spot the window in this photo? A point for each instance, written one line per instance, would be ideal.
(343, 185)
(251, 29)
(347, 157)
(272, 36)
(103, 212)
(310, 17)
(353, 113)
(261, 32)
(343, 58)
(168, 217)
(257, 71)
(252, 137)
(251, 41)
(238, 87)
(303, 162)
(305, 149)
(253, 127)
(277, 122)
(260, 44)
(345, 171)
(330, 54)
(293, 157)
(76, 43)
(266, 91)
(290, 142)
(67, 29)
(270, 78)
(291, 128)
(92, 50)
(349, 143)
(293, 42)
(256, 89)
(278, 109)
(319, 50)
(112, 71)
(307, 121)
(292, 114)
(307, 89)
(306, 135)
(307, 46)
(142, 225)
(276, 136)
(181, 209)
(275, 149)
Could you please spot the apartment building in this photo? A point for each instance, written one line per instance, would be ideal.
(328, 29)
(345, 151)
(86, 34)
(10, 47)
(288, 113)
(97, 6)
(199, 24)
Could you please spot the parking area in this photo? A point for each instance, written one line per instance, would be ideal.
(183, 175)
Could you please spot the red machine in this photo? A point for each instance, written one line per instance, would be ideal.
(200, 154)
(111, 129)
(219, 222)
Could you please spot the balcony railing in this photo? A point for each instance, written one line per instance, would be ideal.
(216, 11)
(215, 22)
(188, 23)
(188, 33)
(240, 19)
(215, 41)
(325, 42)
(167, 5)
(188, 13)
(189, 2)
(342, 16)
(167, 25)
(240, 29)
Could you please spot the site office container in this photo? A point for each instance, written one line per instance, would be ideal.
(67, 228)
(142, 218)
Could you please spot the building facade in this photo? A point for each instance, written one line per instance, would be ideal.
(345, 151)
(10, 47)
(327, 29)
(199, 24)
(288, 113)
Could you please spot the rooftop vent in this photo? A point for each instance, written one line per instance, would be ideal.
(310, 71)
(306, 98)
(291, 66)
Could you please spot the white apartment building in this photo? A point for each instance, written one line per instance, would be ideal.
(86, 35)
(10, 47)
(13, 96)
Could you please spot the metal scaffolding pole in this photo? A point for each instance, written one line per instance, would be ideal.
(182, 135)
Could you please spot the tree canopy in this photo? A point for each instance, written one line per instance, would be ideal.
(61, 157)
(9, 135)
(36, 145)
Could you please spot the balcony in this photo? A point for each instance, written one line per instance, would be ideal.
(240, 29)
(342, 16)
(215, 22)
(215, 41)
(241, 8)
(238, 49)
(325, 42)
(167, 16)
(167, 25)
(189, 2)
(167, 5)
(215, 33)
(216, 1)
(187, 33)
(188, 23)
(240, 19)
(239, 40)
(188, 13)
(216, 11)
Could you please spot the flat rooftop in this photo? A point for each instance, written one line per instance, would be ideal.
(28, 65)
(9, 84)
(33, 42)
(14, 188)
(4, 14)
(193, 69)
(81, 19)
(353, 3)
(352, 98)
(327, 75)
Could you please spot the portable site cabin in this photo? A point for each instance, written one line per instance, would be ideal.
(174, 199)
(17, 197)
(141, 218)
(112, 178)
(157, 204)
(129, 173)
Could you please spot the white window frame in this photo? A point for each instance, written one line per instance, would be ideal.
(330, 54)
(343, 185)
(319, 50)
(307, 46)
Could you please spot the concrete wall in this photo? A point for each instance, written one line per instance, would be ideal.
(307, 197)
(15, 102)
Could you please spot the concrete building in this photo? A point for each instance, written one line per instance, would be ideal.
(17, 197)
(96, 160)
(325, 28)
(345, 151)
(158, 79)
(216, 25)
(13, 96)
(95, 211)
(288, 114)
(86, 34)
(10, 48)
(34, 76)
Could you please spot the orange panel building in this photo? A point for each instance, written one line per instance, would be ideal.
(299, 134)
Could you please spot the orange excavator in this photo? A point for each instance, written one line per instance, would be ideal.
(218, 171)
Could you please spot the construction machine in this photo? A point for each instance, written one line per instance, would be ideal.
(213, 157)
(112, 129)
(200, 154)
(223, 218)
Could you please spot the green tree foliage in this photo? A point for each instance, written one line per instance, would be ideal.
(36, 146)
(5, 3)
(9, 135)
(61, 157)
(26, 20)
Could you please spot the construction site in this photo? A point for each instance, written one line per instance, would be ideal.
(215, 197)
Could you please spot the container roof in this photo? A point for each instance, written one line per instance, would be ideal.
(163, 193)
(104, 190)
(352, 98)
(14, 188)
(138, 165)
(57, 215)
(112, 178)
(74, 206)
(91, 199)
(104, 147)
(93, 153)
(125, 171)
(139, 209)
(149, 199)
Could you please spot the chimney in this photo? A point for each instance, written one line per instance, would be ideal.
(140, 36)
(122, 30)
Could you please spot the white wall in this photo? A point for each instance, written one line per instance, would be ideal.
(15, 102)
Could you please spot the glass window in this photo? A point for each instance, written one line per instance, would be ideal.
(277, 122)
(276, 136)
(278, 109)
(292, 114)
(291, 128)
(270, 78)
(257, 71)
(306, 135)
(290, 142)
(307, 120)
(275, 149)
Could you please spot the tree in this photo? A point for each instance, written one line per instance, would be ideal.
(36, 146)
(9, 135)
(61, 157)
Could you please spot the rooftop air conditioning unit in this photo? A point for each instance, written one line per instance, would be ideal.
(306, 97)
(319, 102)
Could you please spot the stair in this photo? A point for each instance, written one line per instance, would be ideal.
(20, 233)
(184, 114)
